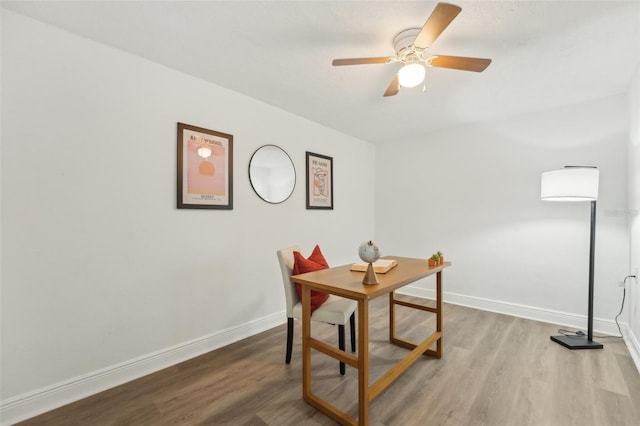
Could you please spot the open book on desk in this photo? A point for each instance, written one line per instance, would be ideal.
(380, 266)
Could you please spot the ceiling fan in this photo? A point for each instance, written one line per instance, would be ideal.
(411, 47)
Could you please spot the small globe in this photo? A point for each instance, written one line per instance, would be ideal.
(369, 251)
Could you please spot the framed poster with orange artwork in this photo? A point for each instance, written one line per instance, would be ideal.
(319, 181)
(205, 168)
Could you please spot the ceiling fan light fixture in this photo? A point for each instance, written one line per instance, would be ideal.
(411, 75)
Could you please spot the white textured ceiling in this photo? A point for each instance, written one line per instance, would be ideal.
(545, 54)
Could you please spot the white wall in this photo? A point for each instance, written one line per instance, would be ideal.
(634, 218)
(101, 274)
(474, 193)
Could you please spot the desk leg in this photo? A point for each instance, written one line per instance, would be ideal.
(363, 362)
(392, 317)
(439, 313)
(306, 350)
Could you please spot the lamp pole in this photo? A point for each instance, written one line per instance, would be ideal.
(592, 249)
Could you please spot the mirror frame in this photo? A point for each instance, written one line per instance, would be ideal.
(293, 167)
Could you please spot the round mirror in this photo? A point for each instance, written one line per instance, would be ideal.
(272, 174)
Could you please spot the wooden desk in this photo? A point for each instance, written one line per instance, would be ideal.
(341, 281)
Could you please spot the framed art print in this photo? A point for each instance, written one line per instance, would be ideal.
(205, 168)
(319, 181)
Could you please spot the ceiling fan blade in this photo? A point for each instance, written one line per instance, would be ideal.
(361, 61)
(459, 63)
(393, 88)
(440, 19)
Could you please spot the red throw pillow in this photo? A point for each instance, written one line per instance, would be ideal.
(315, 262)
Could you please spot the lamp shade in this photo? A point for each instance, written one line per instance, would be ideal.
(570, 184)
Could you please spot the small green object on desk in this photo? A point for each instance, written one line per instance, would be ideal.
(436, 259)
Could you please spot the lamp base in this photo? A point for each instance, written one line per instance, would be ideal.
(576, 342)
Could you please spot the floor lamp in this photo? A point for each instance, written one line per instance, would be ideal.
(576, 183)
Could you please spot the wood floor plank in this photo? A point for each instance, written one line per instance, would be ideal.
(497, 370)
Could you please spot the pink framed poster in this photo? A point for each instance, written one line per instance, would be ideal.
(319, 181)
(205, 168)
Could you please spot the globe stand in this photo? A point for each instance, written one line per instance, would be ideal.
(370, 277)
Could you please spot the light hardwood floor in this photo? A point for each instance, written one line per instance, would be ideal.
(496, 370)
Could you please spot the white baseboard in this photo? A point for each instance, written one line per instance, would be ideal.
(579, 322)
(45, 399)
(600, 325)
(633, 344)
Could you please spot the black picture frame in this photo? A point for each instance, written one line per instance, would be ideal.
(319, 172)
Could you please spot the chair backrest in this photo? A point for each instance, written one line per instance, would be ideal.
(285, 257)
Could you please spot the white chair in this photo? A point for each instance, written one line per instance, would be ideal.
(336, 310)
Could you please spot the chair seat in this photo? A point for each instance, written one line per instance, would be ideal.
(336, 310)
